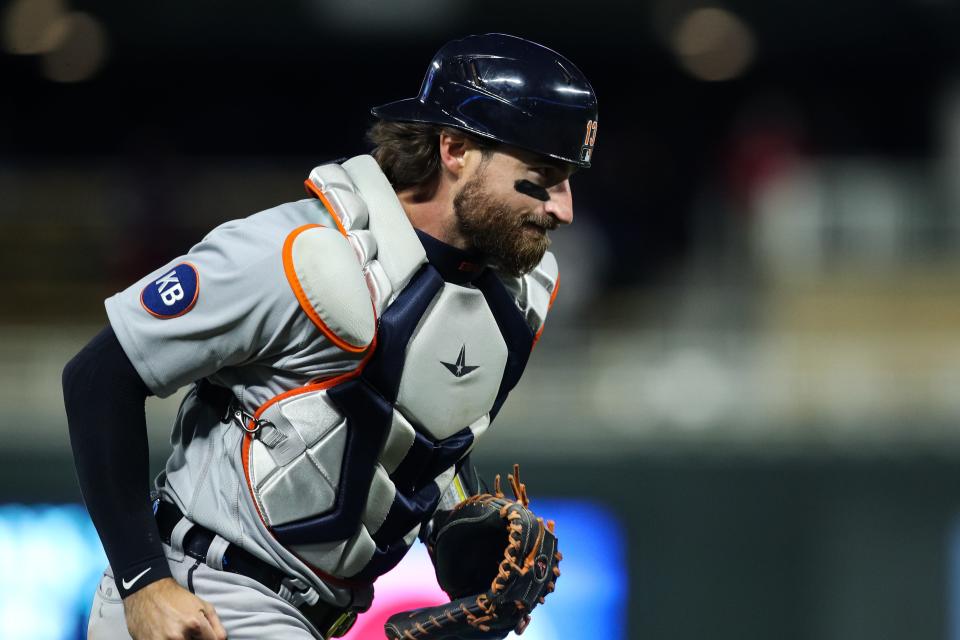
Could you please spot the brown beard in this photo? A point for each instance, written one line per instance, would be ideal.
(498, 231)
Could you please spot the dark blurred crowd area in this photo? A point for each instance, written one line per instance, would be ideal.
(181, 116)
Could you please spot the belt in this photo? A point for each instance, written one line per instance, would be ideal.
(332, 621)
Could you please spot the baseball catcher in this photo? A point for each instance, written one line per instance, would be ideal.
(343, 354)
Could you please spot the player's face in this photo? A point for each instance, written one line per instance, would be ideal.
(509, 203)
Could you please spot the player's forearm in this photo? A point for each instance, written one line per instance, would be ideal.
(104, 398)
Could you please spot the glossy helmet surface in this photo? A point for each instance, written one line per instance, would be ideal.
(507, 89)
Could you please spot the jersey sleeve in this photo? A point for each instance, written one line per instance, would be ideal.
(226, 302)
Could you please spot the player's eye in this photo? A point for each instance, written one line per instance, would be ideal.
(549, 175)
(545, 175)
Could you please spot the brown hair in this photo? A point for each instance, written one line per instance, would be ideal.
(409, 154)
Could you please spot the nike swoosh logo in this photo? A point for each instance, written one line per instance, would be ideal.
(127, 585)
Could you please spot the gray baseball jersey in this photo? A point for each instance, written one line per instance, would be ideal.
(370, 370)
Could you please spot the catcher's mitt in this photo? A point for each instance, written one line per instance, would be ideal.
(495, 559)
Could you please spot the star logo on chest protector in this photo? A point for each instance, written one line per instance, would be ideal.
(460, 367)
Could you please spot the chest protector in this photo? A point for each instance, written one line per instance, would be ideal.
(350, 467)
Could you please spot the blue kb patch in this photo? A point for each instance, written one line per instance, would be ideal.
(173, 294)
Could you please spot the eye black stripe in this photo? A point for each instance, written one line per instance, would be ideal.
(529, 189)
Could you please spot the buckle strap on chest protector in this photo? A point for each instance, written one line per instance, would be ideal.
(225, 404)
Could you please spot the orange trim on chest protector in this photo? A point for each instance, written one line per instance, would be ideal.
(314, 190)
(553, 297)
(291, 272)
(248, 441)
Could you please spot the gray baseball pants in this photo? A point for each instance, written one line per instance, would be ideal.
(247, 609)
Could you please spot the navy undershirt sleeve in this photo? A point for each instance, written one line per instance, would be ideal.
(104, 398)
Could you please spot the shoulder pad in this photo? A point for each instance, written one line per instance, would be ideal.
(366, 209)
(325, 275)
(535, 292)
(333, 187)
(399, 249)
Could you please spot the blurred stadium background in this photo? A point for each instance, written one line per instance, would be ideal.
(752, 369)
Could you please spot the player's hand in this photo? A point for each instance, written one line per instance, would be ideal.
(164, 610)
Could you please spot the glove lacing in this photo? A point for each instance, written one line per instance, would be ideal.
(511, 555)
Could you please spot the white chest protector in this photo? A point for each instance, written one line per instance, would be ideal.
(349, 468)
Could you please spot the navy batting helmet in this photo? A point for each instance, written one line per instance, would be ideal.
(507, 89)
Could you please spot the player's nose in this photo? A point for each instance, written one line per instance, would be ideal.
(560, 204)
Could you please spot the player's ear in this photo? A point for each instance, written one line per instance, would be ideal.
(453, 150)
